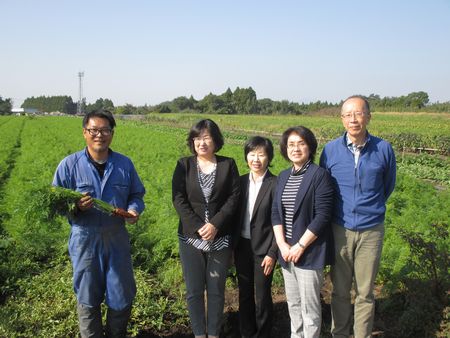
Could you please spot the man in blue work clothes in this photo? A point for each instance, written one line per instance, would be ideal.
(363, 168)
(99, 244)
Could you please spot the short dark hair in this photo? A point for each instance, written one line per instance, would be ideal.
(213, 130)
(256, 142)
(101, 113)
(362, 97)
(307, 136)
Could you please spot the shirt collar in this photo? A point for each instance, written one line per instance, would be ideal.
(259, 179)
(92, 160)
(301, 170)
(351, 145)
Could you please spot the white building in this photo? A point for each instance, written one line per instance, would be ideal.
(24, 111)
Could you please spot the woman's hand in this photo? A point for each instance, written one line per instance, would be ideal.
(295, 252)
(284, 249)
(208, 232)
(268, 264)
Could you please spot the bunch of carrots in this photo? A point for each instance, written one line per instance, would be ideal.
(52, 201)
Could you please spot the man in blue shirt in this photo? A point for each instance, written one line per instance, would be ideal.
(99, 244)
(363, 168)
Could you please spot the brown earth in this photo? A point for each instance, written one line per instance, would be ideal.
(281, 322)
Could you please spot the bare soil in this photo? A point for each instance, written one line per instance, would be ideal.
(281, 322)
(384, 321)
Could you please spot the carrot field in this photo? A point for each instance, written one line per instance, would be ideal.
(35, 273)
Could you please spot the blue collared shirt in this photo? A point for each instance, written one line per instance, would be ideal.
(120, 186)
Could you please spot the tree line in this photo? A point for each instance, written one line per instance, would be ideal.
(244, 101)
(239, 101)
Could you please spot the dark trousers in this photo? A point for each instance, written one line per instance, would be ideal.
(255, 296)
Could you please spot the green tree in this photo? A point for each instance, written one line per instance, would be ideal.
(211, 104)
(266, 106)
(5, 106)
(163, 108)
(101, 104)
(69, 107)
(228, 104)
(245, 101)
(417, 100)
(127, 109)
(182, 103)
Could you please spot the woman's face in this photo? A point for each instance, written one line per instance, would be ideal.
(297, 150)
(204, 144)
(258, 160)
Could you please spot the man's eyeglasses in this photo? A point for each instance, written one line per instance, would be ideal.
(357, 114)
(95, 132)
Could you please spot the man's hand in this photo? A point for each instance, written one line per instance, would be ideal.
(134, 219)
(85, 202)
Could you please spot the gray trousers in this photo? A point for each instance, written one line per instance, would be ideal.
(302, 289)
(205, 271)
(358, 256)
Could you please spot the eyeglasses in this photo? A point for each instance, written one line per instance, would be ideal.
(357, 114)
(297, 145)
(206, 139)
(95, 132)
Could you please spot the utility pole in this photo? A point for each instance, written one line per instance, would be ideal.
(80, 97)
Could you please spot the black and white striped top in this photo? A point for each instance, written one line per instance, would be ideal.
(289, 197)
(206, 182)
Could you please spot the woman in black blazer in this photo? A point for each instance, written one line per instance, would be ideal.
(205, 194)
(301, 216)
(255, 246)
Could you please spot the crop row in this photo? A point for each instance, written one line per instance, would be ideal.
(10, 130)
(43, 144)
(411, 132)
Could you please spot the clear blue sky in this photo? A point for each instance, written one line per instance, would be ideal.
(142, 52)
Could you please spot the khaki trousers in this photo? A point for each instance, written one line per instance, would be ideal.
(357, 258)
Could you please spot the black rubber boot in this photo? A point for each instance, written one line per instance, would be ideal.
(116, 322)
(90, 321)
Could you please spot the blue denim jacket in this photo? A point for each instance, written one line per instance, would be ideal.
(120, 186)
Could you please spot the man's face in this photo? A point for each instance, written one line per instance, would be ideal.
(98, 135)
(355, 118)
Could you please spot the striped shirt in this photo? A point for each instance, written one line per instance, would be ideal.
(289, 197)
(206, 182)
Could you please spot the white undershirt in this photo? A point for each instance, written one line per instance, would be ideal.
(253, 189)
